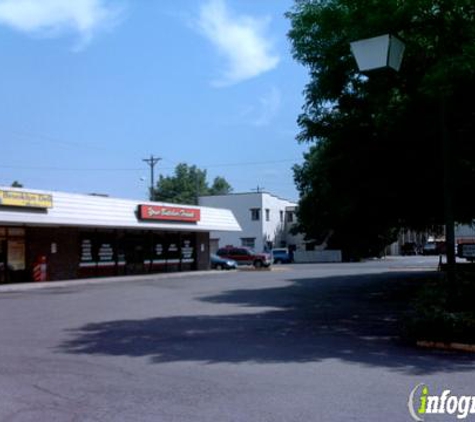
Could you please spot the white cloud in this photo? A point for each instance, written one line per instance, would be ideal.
(269, 105)
(54, 17)
(264, 110)
(240, 39)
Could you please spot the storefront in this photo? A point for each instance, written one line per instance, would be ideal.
(12, 254)
(56, 235)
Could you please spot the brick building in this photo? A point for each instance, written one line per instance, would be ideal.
(80, 236)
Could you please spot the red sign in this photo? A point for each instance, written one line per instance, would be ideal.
(160, 212)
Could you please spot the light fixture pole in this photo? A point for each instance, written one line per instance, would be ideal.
(447, 189)
(386, 51)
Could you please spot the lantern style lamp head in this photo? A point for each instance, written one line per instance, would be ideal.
(381, 52)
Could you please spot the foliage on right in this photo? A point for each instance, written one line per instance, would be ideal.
(374, 163)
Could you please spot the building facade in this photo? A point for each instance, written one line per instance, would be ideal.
(265, 220)
(463, 234)
(57, 235)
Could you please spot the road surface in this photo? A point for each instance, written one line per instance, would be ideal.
(299, 343)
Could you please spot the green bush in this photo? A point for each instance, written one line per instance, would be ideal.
(443, 312)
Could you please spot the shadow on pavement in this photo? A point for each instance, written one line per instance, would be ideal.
(353, 319)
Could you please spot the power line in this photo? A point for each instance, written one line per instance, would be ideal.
(152, 161)
(252, 163)
(37, 138)
(68, 168)
(258, 189)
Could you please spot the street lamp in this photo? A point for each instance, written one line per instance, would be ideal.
(386, 52)
(381, 52)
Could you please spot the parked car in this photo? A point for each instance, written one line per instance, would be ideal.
(430, 248)
(467, 251)
(281, 256)
(434, 248)
(219, 263)
(409, 248)
(245, 256)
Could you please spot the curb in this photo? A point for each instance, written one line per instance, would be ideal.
(253, 269)
(20, 287)
(459, 347)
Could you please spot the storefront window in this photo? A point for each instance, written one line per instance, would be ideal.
(159, 261)
(105, 253)
(173, 251)
(97, 254)
(187, 252)
(86, 251)
(16, 254)
(139, 252)
(12, 254)
(3, 260)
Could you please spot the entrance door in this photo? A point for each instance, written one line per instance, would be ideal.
(135, 255)
(16, 260)
(3, 261)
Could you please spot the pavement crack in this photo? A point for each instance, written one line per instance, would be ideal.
(51, 393)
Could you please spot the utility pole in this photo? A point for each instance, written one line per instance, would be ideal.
(151, 162)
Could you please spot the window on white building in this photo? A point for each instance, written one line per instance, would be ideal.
(281, 216)
(255, 214)
(290, 216)
(267, 214)
(248, 242)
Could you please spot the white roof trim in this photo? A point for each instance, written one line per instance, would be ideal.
(96, 211)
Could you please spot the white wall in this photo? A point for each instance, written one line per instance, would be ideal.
(275, 230)
(463, 231)
(241, 204)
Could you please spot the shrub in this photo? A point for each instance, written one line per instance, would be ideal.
(442, 312)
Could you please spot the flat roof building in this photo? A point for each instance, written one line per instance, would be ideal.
(265, 220)
(75, 235)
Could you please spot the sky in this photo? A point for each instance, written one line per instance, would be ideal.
(89, 88)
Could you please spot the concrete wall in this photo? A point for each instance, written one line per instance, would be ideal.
(240, 205)
(202, 251)
(262, 230)
(317, 256)
(275, 229)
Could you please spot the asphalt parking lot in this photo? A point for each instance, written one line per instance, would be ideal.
(298, 343)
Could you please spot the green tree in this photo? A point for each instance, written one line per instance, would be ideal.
(220, 186)
(16, 184)
(186, 184)
(375, 160)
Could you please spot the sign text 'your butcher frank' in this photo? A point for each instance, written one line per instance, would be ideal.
(160, 212)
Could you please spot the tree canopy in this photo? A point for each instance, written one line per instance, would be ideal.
(187, 184)
(375, 159)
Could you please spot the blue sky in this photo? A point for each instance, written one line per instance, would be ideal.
(90, 87)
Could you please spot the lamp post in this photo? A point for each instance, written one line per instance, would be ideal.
(386, 51)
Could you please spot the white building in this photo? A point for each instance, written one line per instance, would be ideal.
(265, 220)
